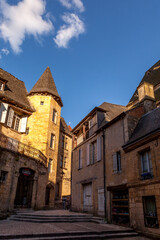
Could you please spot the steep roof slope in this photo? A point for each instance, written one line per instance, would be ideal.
(15, 90)
(150, 122)
(46, 84)
(112, 110)
(151, 76)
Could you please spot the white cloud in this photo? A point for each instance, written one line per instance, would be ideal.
(22, 19)
(73, 27)
(5, 51)
(73, 4)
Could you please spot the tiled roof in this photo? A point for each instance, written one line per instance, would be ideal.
(15, 90)
(150, 122)
(64, 128)
(46, 84)
(152, 76)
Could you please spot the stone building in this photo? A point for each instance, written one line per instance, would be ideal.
(87, 164)
(63, 179)
(129, 167)
(29, 141)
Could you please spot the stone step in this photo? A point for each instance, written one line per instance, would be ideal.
(39, 218)
(57, 216)
(74, 235)
(51, 220)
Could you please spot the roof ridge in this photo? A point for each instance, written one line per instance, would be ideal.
(11, 75)
(113, 104)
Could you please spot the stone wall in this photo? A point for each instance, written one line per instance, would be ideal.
(11, 163)
(91, 174)
(139, 188)
(65, 181)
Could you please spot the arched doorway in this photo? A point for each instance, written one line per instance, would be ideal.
(49, 189)
(24, 188)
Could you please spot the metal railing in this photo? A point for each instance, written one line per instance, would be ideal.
(24, 149)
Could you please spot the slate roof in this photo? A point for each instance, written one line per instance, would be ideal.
(149, 123)
(64, 128)
(46, 84)
(15, 90)
(151, 76)
(112, 111)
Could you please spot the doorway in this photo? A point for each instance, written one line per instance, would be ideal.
(87, 197)
(24, 188)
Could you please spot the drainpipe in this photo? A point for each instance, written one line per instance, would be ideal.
(104, 174)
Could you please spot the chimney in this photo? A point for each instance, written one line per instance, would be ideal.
(146, 96)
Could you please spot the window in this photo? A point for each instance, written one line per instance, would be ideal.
(64, 162)
(117, 162)
(54, 117)
(93, 156)
(61, 163)
(16, 122)
(146, 165)
(3, 176)
(150, 212)
(52, 141)
(1, 86)
(64, 142)
(80, 159)
(41, 103)
(50, 165)
(93, 151)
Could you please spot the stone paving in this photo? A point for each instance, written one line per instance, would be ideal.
(9, 227)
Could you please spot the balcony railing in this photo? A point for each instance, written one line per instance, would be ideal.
(16, 146)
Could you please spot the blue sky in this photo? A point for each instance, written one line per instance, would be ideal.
(97, 50)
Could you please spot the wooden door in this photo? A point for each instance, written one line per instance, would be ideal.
(87, 197)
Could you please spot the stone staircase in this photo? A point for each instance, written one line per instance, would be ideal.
(38, 218)
(94, 231)
(75, 235)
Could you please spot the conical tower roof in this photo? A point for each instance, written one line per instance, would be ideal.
(46, 84)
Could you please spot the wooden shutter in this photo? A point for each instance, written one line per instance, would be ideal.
(23, 124)
(99, 149)
(10, 117)
(114, 162)
(91, 153)
(80, 158)
(88, 154)
(3, 112)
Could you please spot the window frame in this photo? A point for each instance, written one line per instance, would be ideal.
(52, 141)
(54, 116)
(3, 176)
(93, 156)
(50, 164)
(145, 159)
(149, 216)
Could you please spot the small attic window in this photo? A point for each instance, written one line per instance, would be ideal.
(1, 86)
(41, 102)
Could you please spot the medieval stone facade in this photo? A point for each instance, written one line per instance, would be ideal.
(125, 182)
(30, 142)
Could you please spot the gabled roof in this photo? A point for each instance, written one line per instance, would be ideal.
(149, 123)
(64, 128)
(15, 91)
(112, 111)
(151, 76)
(46, 84)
